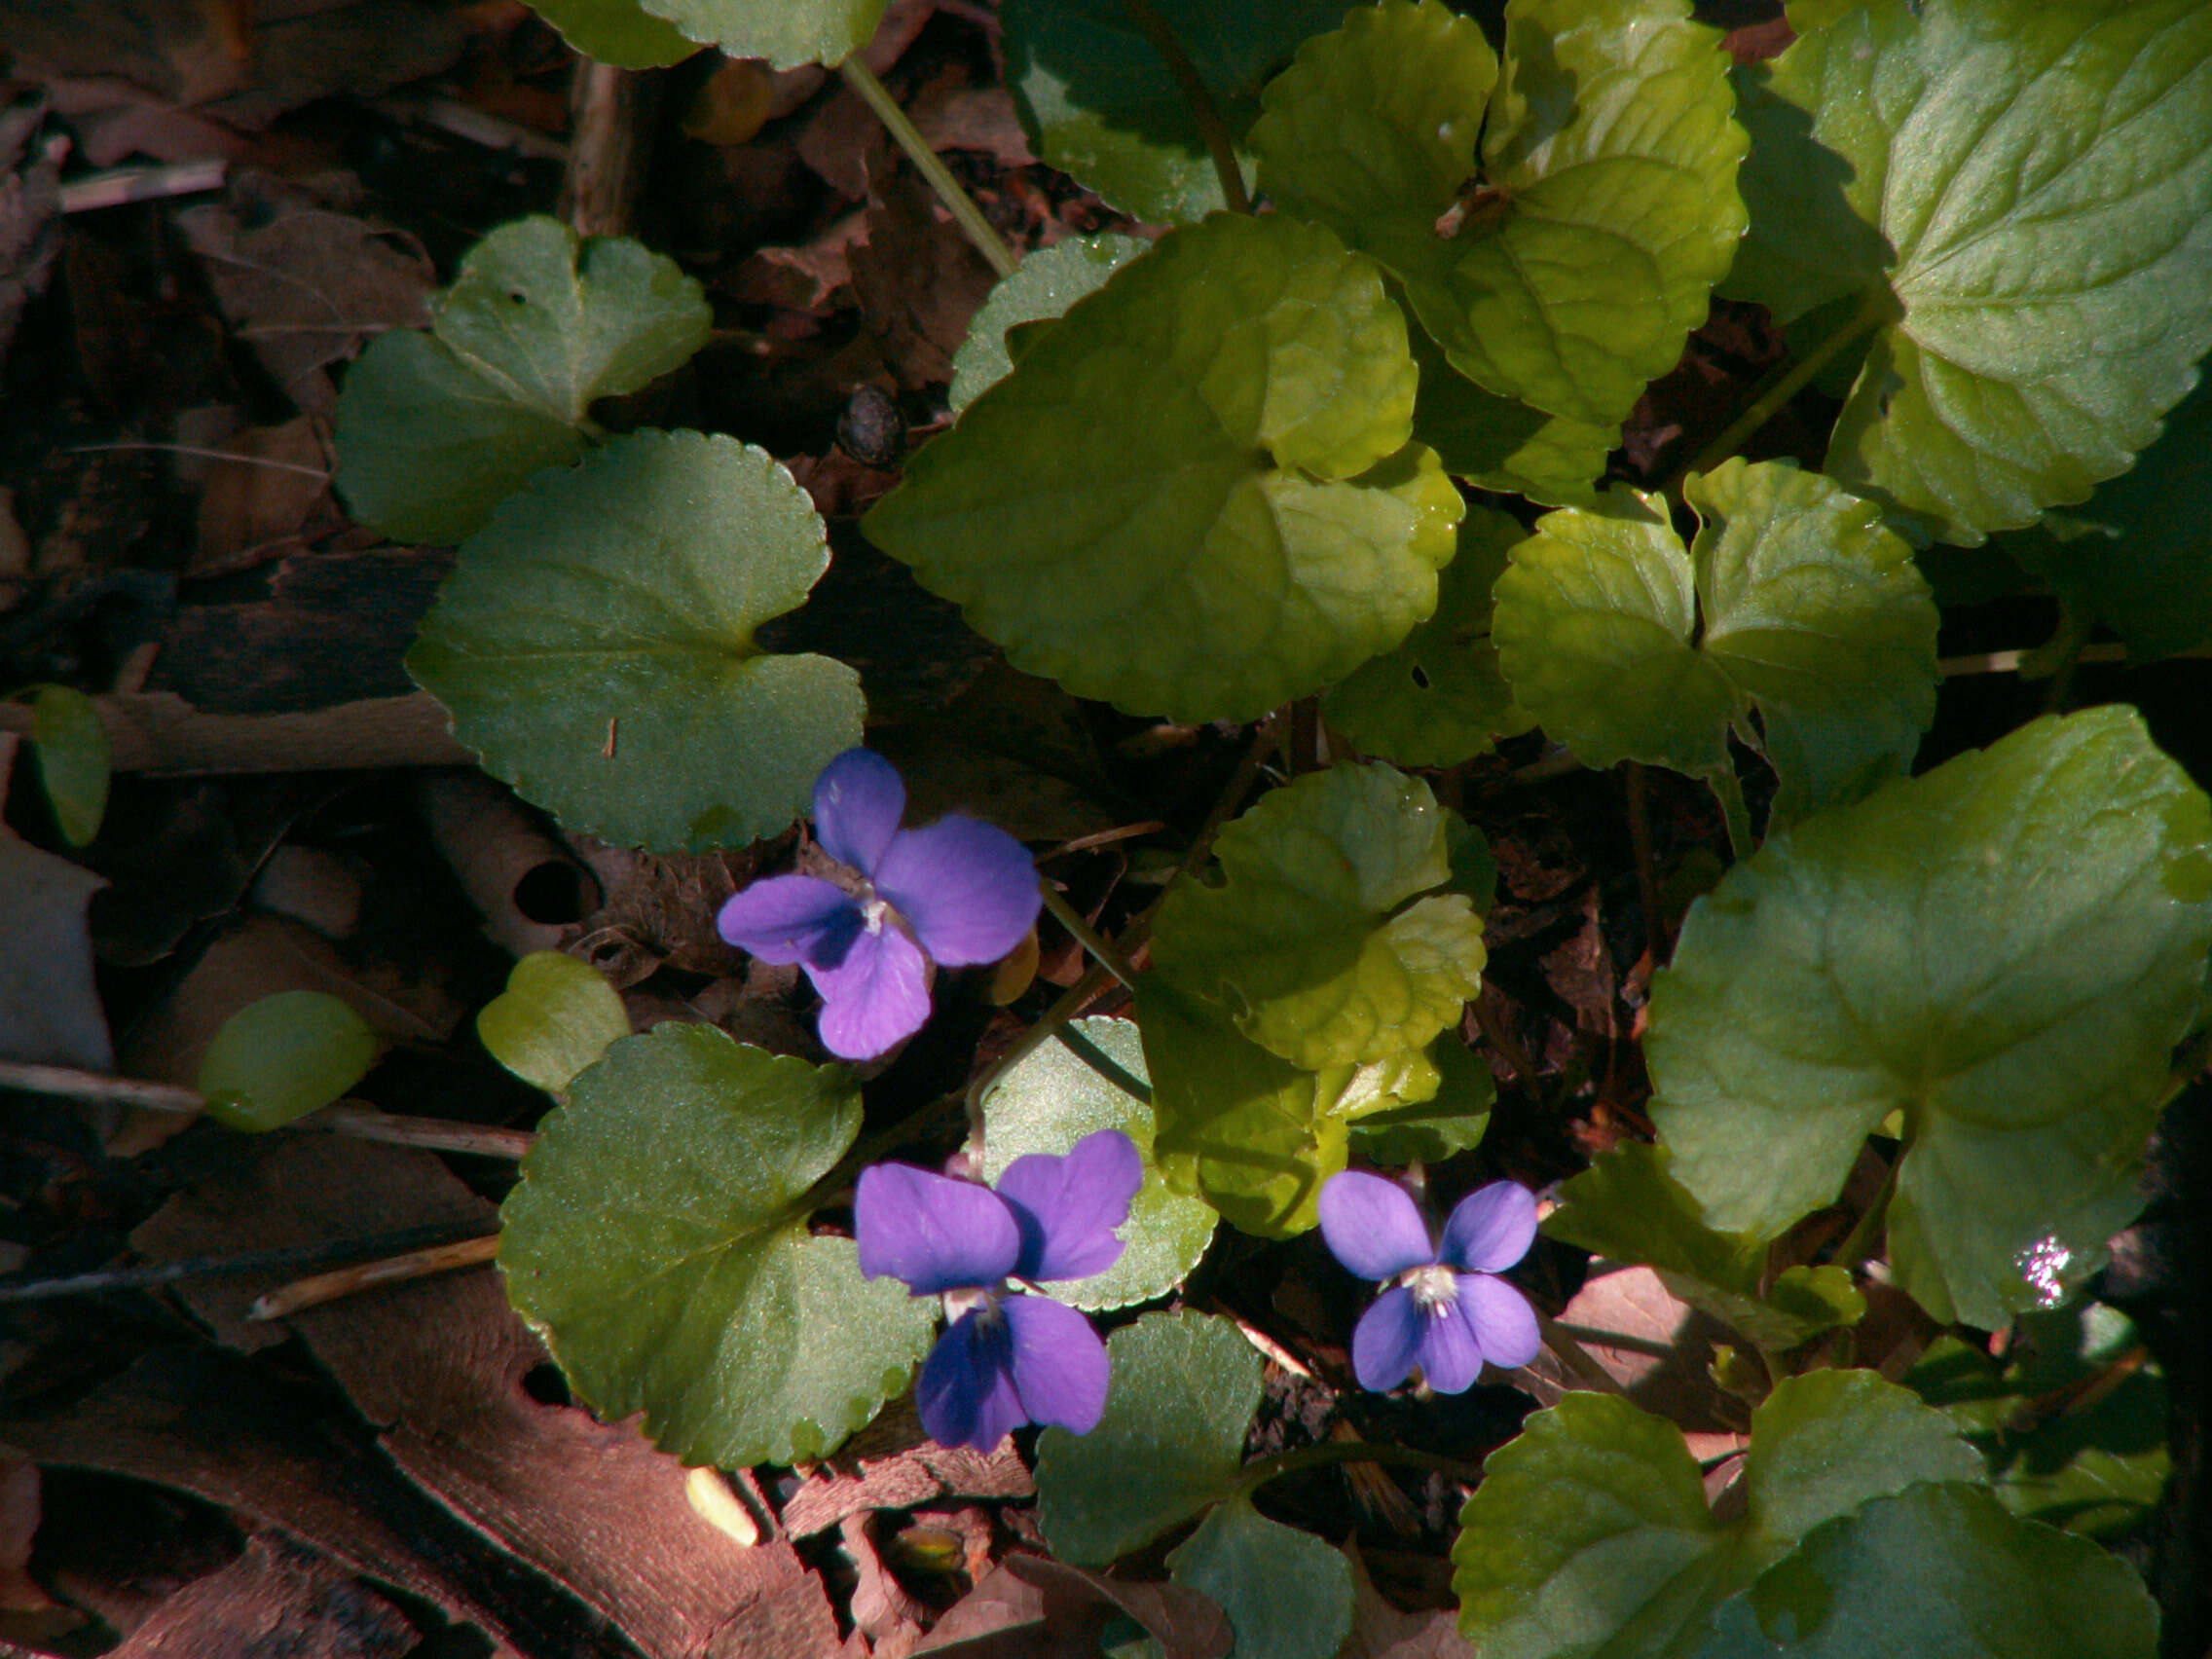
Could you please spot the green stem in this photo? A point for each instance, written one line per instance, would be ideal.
(1333, 1452)
(958, 203)
(1877, 310)
(1859, 1244)
(1220, 145)
(867, 1150)
(1078, 997)
(1730, 793)
(1101, 950)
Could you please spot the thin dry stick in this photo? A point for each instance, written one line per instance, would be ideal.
(199, 454)
(367, 1276)
(957, 202)
(69, 1084)
(288, 1258)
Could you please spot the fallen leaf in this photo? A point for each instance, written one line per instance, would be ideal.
(918, 279)
(276, 1597)
(50, 1008)
(921, 1474)
(30, 212)
(303, 287)
(1658, 1349)
(882, 1610)
(268, 504)
(1381, 1630)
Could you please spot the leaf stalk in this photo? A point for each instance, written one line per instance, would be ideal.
(957, 202)
(1220, 145)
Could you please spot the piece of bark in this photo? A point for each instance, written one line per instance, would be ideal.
(591, 1505)
(276, 1601)
(921, 1474)
(250, 511)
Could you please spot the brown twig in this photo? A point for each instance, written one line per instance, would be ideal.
(161, 735)
(290, 1258)
(367, 1276)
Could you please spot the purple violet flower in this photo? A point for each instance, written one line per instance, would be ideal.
(1008, 1358)
(1445, 1314)
(959, 892)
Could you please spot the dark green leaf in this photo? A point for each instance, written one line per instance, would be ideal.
(1287, 1594)
(658, 1242)
(785, 32)
(1171, 1442)
(71, 745)
(2004, 951)
(618, 32)
(594, 645)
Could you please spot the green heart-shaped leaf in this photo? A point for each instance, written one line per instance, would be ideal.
(785, 32)
(658, 1242)
(1171, 1442)
(618, 32)
(1439, 698)
(1499, 443)
(279, 1058)
(1428, 1131)
(2005, 951)
(1310, 940)
(1590, 1533)
(1055, 1097)
(435, 430)
(2033, 198)
(1041, 287)
(72, 750)
(1791, 599)
(1261, 524)
(1940, 1568)
(557, 1015)
(1626, 1209)
(1104, 107)
(594, 645)
(1287, 1594)
(1567, 271)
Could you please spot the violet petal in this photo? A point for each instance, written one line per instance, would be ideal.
(935, 1233)
(1371, 1227)
(1060, 1368)
(965, 1393)
(1068, 1208)
(792, 918)
(858, 802)
(873, 999)
(1388, 1340)
(1450, 1353)
(968, 889)
(1491, 1228)
(1501, 1319)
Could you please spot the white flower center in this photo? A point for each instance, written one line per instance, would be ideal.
(1435, 1288)
(872, 912)
(972, 1299)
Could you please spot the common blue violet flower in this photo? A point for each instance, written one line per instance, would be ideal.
(959, 891)
(1008, 1358)
(1445, 1314)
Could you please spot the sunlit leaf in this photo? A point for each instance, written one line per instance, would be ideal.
(1171, 1442)
(2074, 1425)
(785, 32)
(1793, 598)
(1325, 936)
(1055, 1097)
(1565, 269)
(435, 430)
(72, 750)
(618, 32)
(283, 1057)
(1256, 1135)
(1497, 443)
(1428, 1131)
(1626, 1209)
(1439, 699)
(658, 1242)
(556, 1016)
(1589, 1533)
(1941, 1569)
(594, 645)
(1259, 525)
(1287, 1594)
(1104, 108)
(1041, 287)
(2003, 951)
(2034, 198)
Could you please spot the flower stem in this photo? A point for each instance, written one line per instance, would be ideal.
(1859, 1244)
(1730, 793)
(1333, 1452)
(957, 202)
(1878, 309)
(1101, 950)
(1220, 145)
(1078, 997)
(1575, 1358)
